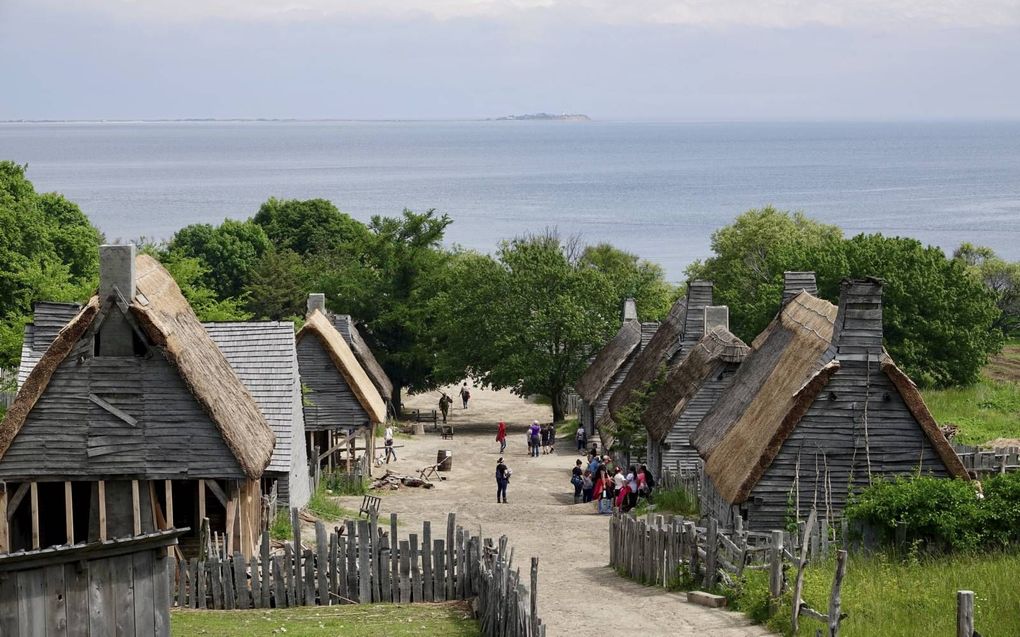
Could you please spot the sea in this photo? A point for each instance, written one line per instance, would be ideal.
(656, 189)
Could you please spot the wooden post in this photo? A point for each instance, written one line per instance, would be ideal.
(534, 596)
(802, 561)
(169, 493)
(776, 565)
(201, 499)
(204, 540)
(136, 512)
(231, 518)
(834, 598)
(711, 553)
(34, 494)
(964, 613)
(68, 512)
(5, 538)
(295, 522)
(101, 486)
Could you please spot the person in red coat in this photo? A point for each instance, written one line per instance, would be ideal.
(501, 436)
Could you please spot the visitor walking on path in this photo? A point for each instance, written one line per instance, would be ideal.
(502, 480)
(465, 395)
(587, 486)
(533, 437)
(577, 479)
(388, 444)
(582, 438)
(444, 405)
(501, 436)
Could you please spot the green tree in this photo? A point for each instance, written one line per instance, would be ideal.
(632, 277)
(190, 274)
(527, 320)
(311, 226)
(1001, 277)
(230, 252)
(751, 255)
(48, 251)
(279, 286)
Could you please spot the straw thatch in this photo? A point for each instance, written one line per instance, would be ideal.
(684, 380)
(791, 350)
(365, 356)
(343, 358)
(169, 323)
(608, 361)
(651, 357)
(915, 403)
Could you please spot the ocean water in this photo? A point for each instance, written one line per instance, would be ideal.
(656, 189)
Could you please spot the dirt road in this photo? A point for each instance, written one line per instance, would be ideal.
(578, 592)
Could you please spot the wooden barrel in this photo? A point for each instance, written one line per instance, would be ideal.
(444, 458)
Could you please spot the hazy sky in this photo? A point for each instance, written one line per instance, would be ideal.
(620, 59)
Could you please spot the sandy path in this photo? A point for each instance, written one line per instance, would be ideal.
(578, 592)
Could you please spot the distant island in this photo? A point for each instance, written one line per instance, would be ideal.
(562, 117)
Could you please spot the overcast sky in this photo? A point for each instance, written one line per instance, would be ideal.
(611, 59)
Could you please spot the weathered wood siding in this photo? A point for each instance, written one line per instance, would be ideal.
(858, 416)
(601, 405)
(68, 436)
(681, 454)
(329, 401)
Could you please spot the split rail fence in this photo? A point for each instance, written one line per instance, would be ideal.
(362, 563)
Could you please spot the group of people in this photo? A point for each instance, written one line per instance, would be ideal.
(610, 484)
(445, 402)
(541, 437)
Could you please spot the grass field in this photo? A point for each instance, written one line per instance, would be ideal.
(891, 598)
(988, 410)
(376, 620)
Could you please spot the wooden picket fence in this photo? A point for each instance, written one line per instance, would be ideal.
(985, 462)
(665, 550)
(362, 563)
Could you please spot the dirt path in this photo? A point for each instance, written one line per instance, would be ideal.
(578, 592)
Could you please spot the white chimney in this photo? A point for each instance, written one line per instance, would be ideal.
(117, 271)
(317, 301)
(629, 310)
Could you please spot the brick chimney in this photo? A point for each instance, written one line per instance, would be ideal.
(629, 310)
(116, 336)
(316, 301)
(795, 282)
(699, 296)
(858, 329)
(717, 316)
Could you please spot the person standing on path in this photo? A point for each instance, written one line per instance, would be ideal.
(444, 405)
(465, 395)
(534, 433)
(582, 438)
(388, 444)
(502, 480)
(501, 436)
(577, 479)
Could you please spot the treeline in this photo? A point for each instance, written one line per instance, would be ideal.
(529, 316)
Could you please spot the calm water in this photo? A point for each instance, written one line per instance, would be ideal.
(656, 189)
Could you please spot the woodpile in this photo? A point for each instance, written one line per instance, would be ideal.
(393, 481)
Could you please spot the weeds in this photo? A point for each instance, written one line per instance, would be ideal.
(280, 528)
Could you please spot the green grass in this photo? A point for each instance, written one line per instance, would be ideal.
(672, 501)
(892, 598)
(325, 506)
(567, 428)
(374, 620)
(280, 528)
(340, 483)
(983, 412)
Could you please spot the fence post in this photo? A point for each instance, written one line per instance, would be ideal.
(776, 565)
(834, 598)
(711, 552)
(534, 596)
(964, 613)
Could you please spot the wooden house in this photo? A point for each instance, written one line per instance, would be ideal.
(345, 324)
(666, 346)
(818, 408)
(339, 396)
(691, 389)
(128, 420)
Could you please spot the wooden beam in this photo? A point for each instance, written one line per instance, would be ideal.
(126, 417)
(201, 500)
(68, 512)
(34, 490)
(136, 509)
(101, 485)
(231, 518)
(5, 541)
(19, 495)
(217, 491)
(168, 485)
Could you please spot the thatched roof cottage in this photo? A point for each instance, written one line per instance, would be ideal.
(340, 397)
(130, 410)
(345, 324)
(817, 409)
(692, 388)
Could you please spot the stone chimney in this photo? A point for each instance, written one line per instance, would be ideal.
(858, 329)
(699, 296)
(116, 336)
(629, 310)
(316, 301)
(795, 282)
(717, 316)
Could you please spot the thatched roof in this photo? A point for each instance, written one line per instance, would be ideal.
(169, 323)
(783, 358)
(608, 361)
(651, 357)
(363, 353)
(684, 380)
(319, 326)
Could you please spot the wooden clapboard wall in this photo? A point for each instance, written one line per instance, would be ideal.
(329, 401)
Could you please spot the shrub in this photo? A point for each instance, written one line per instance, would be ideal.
(1001, 510)
(280, 528)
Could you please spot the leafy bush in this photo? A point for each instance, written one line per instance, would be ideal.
(943, 515)
(341, 483)
(280, 528)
